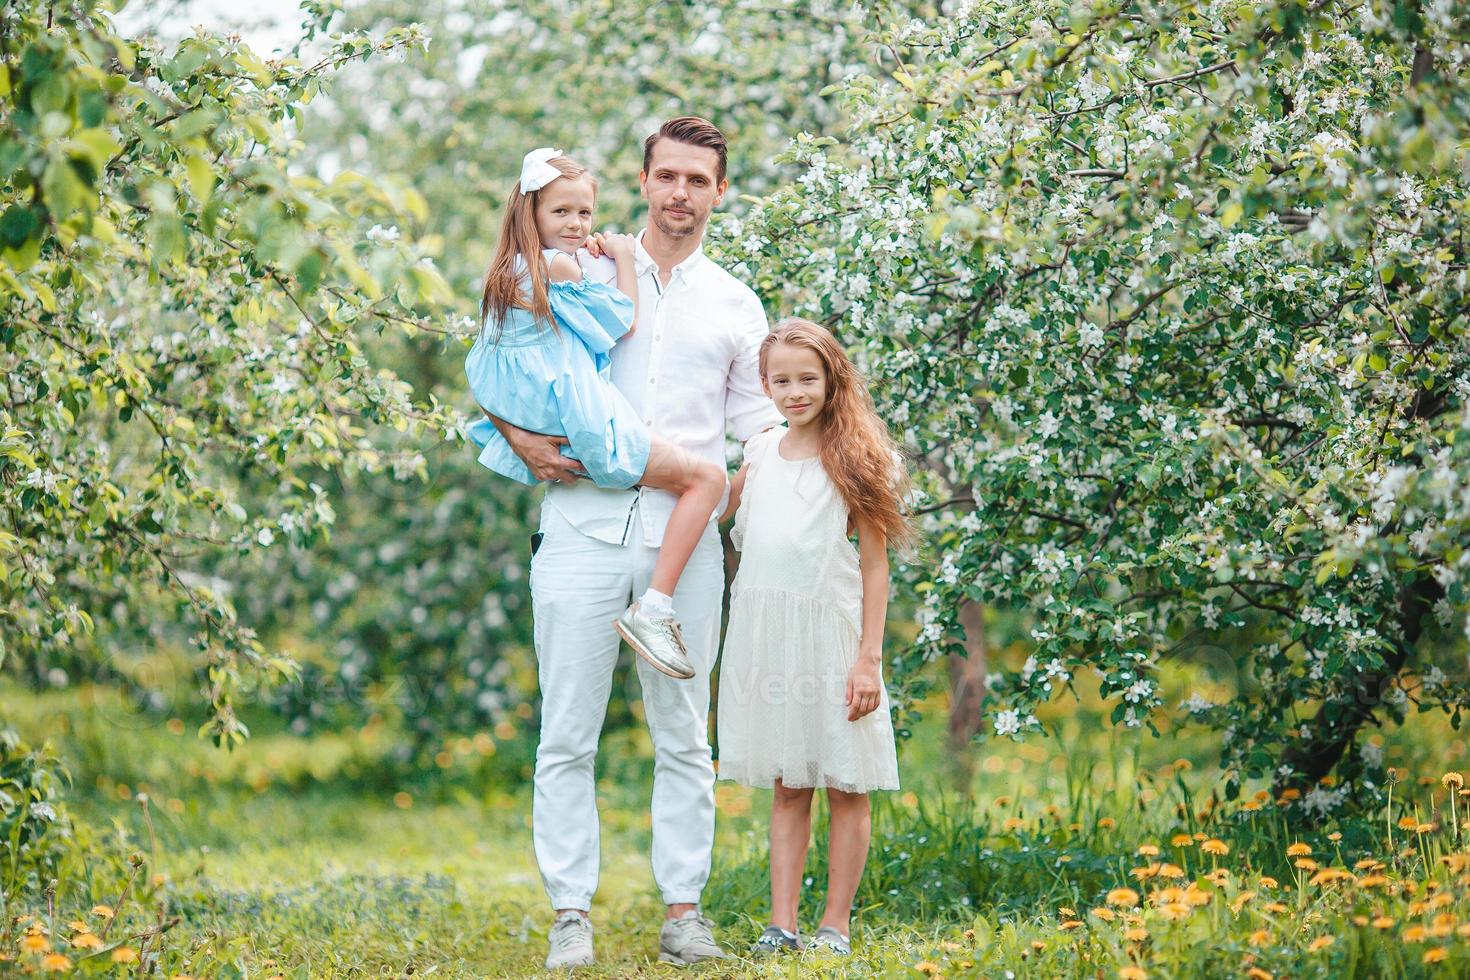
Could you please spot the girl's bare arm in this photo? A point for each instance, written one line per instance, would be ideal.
(737, 485)
(865, 680)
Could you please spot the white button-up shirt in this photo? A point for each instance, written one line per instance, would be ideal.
(691, 370)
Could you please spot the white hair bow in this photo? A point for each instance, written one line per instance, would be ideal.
(536, 171)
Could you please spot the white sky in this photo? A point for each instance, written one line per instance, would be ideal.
(266, 25)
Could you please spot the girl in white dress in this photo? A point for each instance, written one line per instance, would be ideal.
(801, 698)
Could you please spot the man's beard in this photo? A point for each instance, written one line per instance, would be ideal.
(696, 222)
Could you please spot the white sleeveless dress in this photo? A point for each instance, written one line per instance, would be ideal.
(795, 621)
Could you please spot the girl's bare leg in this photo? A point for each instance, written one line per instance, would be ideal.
(848, 833)
(791, 833)
(699, 484)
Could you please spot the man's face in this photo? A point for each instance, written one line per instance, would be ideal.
(564, 213)
(681, 187)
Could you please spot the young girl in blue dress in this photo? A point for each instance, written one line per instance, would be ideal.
(541, 363)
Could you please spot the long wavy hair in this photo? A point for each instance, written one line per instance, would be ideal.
(518, 236)
(860, 457)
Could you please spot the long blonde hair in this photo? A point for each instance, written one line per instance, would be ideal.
(859, 455)
(518, 236)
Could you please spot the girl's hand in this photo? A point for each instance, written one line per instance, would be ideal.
(864, 686)
(617, 247)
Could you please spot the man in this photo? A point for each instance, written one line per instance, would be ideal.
(690, 369)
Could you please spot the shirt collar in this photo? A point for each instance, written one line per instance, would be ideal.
(644, 262)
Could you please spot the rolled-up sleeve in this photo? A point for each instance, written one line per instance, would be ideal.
(747, 408)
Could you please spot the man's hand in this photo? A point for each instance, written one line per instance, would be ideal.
(864, 685)
(539, 452)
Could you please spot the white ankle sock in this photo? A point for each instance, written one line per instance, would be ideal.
(656, 605)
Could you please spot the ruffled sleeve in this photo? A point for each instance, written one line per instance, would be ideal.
(597, 313)
(756, 448)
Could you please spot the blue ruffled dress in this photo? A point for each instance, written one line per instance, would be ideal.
(556, 381)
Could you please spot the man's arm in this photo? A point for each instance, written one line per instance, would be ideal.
(748, 409)
(539, 452)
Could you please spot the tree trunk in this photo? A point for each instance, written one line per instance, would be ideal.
(967, 692)
(1334, 726)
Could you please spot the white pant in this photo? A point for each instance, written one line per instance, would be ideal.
(579, 585)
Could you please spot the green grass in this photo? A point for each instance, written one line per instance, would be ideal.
(297, 857)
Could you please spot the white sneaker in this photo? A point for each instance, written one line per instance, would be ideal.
(570, 941)
(656, 640)
(687, 940)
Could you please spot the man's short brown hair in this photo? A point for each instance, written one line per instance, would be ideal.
(694, 131)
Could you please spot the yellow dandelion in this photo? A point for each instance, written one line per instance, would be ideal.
(1306, 864)
(1463, 931)
(1259, 938)
(1171, 871)
(1200, 837)
(1408, 823)
(1148, 850)
(1107, 822)
(1456, 863)
(1435, 955)
(125, 954)
(1250, 805)
(1106, 914)
(1181, 840)
(1135, 934)
(1268, 882)
(1002, 801)
(105, 911)
(1372, 881)
(1123, 898)
(1150, 870)
(1383, 922)
(56, 963)
(86, 940)
(1321, 942)
(1162, 896)
(34, 942)
(1298, 850)
(1013, 823)
(1132, 973)
(77, 925)
(1069, 924)
(1256, 973)
(1277, 908)
(1063, 910)
(1414, 934)
(1216, 847)
(1287, 795)
(1038, 945)
(1335, 836)
(1360, 921)
(927, 968)
(1240, 901)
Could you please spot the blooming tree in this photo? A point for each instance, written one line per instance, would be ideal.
(1169, 299)
(183, 353)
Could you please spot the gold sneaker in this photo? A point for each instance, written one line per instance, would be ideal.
(656, 640)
